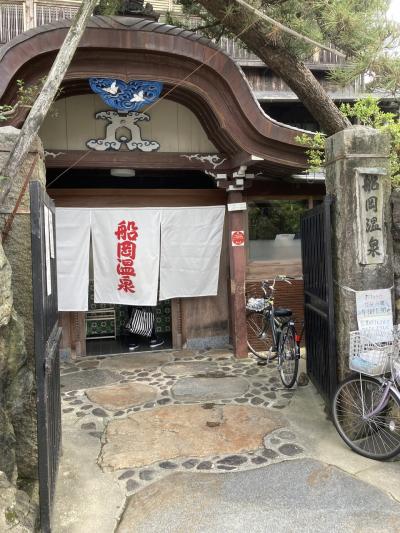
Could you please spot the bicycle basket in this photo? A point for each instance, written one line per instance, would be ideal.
(256, 304)
(371, 357)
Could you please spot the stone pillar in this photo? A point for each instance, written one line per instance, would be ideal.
(395, 199)
(357, 177)
(237, 261)
(18, 243)
(17, 363)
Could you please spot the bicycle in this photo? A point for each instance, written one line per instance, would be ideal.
(273, 330)
(366, 406)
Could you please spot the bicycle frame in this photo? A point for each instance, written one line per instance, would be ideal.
(389, 386)
(276, 323)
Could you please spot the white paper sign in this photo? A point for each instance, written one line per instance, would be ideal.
(51, 230)
(374, 313)
(239, 206)
(47, 248)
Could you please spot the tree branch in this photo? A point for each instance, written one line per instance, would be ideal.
(292, 71)
(10, 112)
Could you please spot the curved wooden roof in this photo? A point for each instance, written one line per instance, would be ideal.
(204, 78)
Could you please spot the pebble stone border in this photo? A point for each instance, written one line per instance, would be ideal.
(265, 390)
(281, 446)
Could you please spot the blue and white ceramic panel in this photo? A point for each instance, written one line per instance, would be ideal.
(122, 96)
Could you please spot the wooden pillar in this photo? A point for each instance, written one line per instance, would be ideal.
(78, 334)
(64, 320)
(237, 262)
(176, 322)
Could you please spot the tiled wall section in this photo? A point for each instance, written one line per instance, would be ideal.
(99, 327)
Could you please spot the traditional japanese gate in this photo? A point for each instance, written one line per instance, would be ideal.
(47, 343)
(318, 297)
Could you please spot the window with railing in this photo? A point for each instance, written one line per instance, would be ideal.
(12, 21)
(46, 12)
(166, 5)
(19, 16)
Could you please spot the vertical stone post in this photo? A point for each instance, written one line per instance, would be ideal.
(357, 177)
(395, 198)
(237, 261)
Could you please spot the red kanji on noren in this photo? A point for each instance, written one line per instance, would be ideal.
(126, 249)
(125, 268)
(127, 231)
(126, 284)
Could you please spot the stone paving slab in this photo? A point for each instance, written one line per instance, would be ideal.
(122, 396)
(184, 431)
(297, 496)
(135, 361)
(209, 388)
(190, 368)
(87, 379)
(87, 500)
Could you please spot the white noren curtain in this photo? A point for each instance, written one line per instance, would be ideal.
(72, 244)
(126, 255)
(191, 240)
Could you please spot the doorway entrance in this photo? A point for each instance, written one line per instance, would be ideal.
(107, 332)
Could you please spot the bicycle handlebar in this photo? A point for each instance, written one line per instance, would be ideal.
(265, 284)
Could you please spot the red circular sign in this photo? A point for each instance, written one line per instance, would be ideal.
(238, 238)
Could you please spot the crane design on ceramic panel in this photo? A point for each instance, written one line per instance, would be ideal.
(127, 99)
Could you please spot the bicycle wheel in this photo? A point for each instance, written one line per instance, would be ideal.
(259, 336)
(377, 436)
(288, 360)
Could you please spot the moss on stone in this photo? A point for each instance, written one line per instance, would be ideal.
(11, 516)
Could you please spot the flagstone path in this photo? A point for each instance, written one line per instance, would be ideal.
(155, 413)
(133, 422)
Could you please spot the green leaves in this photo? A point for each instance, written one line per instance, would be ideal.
(5, 112)
(366, 112)
(359, 28)
(27, 95)
(315, 149)
(108, 7)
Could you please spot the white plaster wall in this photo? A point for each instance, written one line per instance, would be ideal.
(73, 123)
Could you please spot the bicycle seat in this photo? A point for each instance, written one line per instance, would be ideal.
(282, 312)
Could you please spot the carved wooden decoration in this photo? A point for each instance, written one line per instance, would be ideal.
(115, 122)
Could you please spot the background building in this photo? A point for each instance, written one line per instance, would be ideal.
(275, 97)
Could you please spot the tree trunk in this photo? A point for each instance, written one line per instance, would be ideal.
(42, 105)
(296, 75)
